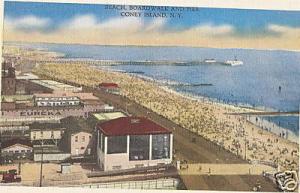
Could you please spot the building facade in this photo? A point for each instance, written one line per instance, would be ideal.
(132, 142)
(8, 79)
(16, 149)
(108, 87)
(57, 86)
(78, 139)
(57, 101)
(56, 111)
(46, 133)
(81, 143)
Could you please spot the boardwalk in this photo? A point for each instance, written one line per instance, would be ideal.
(225, 169)
(268, 113)
(195, 149)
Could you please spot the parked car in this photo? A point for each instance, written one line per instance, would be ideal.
(10, 178)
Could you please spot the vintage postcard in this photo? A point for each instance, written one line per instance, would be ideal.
(149, 97)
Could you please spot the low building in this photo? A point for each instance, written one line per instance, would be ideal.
(16, 149)
(46, 133)
(78, 138)
(57, 86)
(8, 78)
(9, 131)
(81, 95)
(49, 153)
(8, 105)
(13, 102)
(16, 121)
(33, 88)
(26, 76)
(131, 142)
(57, 101)
(109, 87)
(57, 104)
(106, 116)
(80, 143)
(82, 110)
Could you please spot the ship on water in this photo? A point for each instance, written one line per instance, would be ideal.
(209, 61)
(234, 62)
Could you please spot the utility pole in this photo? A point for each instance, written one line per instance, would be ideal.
(41, 169)
(245, 149)
(1, 147)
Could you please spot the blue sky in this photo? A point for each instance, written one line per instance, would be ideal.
(237, 17)
(246, 23)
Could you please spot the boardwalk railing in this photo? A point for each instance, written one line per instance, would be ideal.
(170, 183)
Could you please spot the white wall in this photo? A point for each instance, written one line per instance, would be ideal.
(122, 159)
(51, 157)
(57, 134)
(17, 147)
(87, 143)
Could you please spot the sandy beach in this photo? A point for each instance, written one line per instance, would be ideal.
(208, 119)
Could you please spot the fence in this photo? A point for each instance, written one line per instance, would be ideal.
(170, 183)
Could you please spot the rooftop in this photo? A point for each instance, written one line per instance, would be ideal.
(11, 142)
(108, 84)
(93, 102)
(13, 98)
(54, 85)
(45, 126)
(17, 121)
(81, 95)
(75, 125)
(108, 116)
(27, 76)
(131, 126)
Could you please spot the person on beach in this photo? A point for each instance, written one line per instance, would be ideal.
(201, 118)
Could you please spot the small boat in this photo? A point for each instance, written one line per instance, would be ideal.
(234, 62)
(209, 61)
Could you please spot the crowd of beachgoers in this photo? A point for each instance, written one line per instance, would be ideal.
(213, 121)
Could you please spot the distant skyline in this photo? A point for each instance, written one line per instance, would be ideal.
(207, 27)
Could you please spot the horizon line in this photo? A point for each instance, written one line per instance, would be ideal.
(132, 45)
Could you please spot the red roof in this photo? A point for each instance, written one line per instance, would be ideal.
(108, 84)
(12, 142)
(131, 126)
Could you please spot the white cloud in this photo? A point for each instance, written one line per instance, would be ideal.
(156, 25)
(277, 28)
(81, 21)
(88, 29)
(213, 30)
(284, 30)
(90, 22)
(29, 22)
(127, 24)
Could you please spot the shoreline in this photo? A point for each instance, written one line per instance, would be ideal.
(294, 138)
(109, 45)
(169, 83)
(211, 121)
(236, 107)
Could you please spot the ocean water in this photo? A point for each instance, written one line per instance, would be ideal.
(289, 122)
(256, 83)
